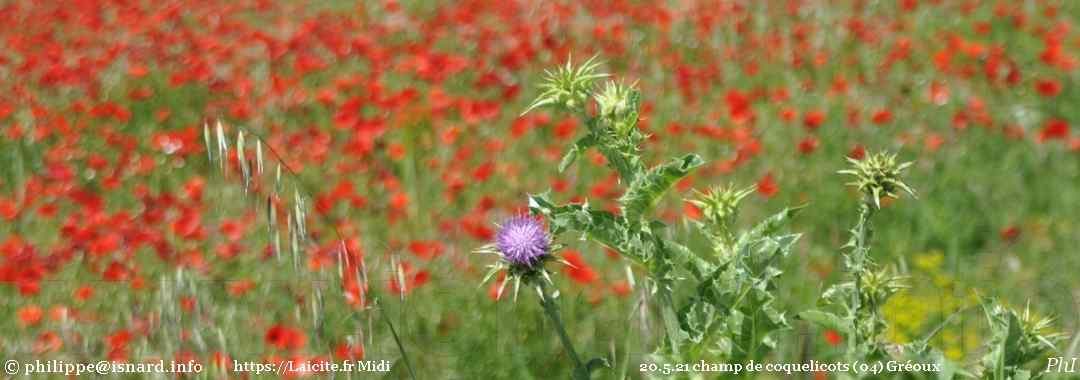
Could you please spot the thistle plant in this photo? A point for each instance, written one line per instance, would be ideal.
(878, 176)
(716, 304)
(523, 247)
(731, 315)
(568, 87)
(868, 286)
(719, 208)
(1017, 338)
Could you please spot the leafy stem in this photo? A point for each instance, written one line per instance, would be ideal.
(877, 176)
(731, 306)
(859, 256)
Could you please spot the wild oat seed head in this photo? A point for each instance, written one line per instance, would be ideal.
(522, 240)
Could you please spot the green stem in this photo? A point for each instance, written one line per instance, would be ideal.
(670, 319)
(552, 310)
(859, 253)
(628, 169)
(397, 341)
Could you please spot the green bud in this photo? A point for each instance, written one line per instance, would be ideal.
(618, 105)
(568, 87)
(1017, 338)
(878, 175)
(719, 208)
(878, 286)
(720, 205)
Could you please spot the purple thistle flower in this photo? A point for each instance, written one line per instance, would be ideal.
(522, 240)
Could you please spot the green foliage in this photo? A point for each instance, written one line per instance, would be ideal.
(643, 194)
(1017, 338)
(598, 225)
(861, 299)
(868, 287)
(726, 308)
(722, 305)
(733, 315)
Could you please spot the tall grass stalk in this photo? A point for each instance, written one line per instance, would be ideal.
(251, 171)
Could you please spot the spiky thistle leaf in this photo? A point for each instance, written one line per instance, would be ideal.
(646, 191)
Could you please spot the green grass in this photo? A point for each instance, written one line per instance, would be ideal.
(978, 183)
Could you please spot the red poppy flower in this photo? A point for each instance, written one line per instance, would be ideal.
(83, 293)
(882, 117)
(808, 145)
(426, 249)
(833, 338)
(766, 186)
(565, 129)
(493, 290)
(413, 279)
(578, 270)
(285, 338)
(1054, 129)
(1010, 233)
(1048, 88)
(30, 315)
(117, 272)
(857, 152)
(348, 351)
(621, 288)
(47, 342)
(691, 211)
(738, 105)
(812, 120)
(221, 360)
(117, 345)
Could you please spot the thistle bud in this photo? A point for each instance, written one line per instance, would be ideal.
(618, 105)
(1017, 337)
(878, 286)
(568, 87)
(720, 205)
(719, 208)
(877, 176)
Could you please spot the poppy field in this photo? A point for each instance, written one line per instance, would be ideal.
(540, 189)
